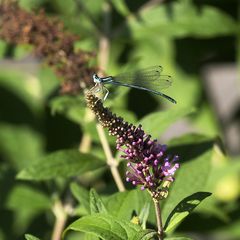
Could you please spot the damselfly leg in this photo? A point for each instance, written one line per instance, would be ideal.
(106, 94)
(98, 87)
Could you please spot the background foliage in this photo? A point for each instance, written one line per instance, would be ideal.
(42, 170)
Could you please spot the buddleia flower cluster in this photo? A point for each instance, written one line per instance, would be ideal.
(148, 164)
(50, 41)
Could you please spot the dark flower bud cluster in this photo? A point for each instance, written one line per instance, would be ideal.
(148, 165)
(50, 42)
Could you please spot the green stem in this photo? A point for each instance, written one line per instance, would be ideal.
(159, 218)
(111, 161)
(85, 144)
(61, 213)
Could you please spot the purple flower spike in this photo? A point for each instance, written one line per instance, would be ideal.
(148, 164)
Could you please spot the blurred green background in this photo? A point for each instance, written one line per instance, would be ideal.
(196, 42)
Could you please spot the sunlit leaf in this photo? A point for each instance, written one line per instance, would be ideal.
(27, 202)
(31, 5)
(73, 107)
(106, 227)
(96, 203)
(3, 48)
(143, 215)
(81, 194)
(30, 237)
(121, 7)
(179, 238)
(63, 163)
(19, 144)
(156, 123)
(124, 204)
(195, 167)
(23, 89)
(185, 20)
(22, 51)
(147, 234)
(64, 7)
(23, 197)
(183, 209)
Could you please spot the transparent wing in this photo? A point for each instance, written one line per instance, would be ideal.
(149, 78)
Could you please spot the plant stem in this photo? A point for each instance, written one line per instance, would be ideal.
(110, 159)
(60, 213)
(159, 218)
(85, 143)
(104, 42)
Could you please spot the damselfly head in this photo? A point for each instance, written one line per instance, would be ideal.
(96, 78)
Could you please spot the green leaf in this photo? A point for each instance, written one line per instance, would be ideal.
(23, 197)
(3, 48)
(93, 7)
(229, 230)
(190, 146)
(183, 209)
(124, 204)
(195, 153)
(49, 81)
(89, 236)
(82, 195)
(145, 235)
(207, 22)
(30, 237)
(64, 7)
(70, 106)
(30, 4)
(223, 168)
(185, 20)
(90, 128)
(86, 44)
(26, 91)
(206, 121)
(143, 215)
(211, 207)
(96, 203)
(22, 50)
(156, 123)
(63, 163)
(26, 202)
(179, 238)
(106, 227)
(18, 144)
(121, 7)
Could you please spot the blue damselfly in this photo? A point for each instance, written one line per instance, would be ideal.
(149, 79)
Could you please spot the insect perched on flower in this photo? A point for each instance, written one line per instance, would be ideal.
(149, 166)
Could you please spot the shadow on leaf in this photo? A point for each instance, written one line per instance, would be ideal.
(184, 208)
